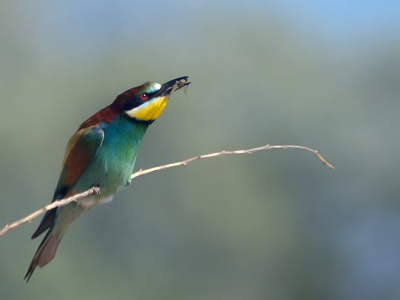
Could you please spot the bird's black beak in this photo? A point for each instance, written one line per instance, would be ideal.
(173, 85)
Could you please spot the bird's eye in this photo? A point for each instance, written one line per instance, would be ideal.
(143, 96)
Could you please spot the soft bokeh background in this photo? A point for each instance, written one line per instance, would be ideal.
(271, 225)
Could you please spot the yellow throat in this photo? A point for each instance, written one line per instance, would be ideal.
(150, 110)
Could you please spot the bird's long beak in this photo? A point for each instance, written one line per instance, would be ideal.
(173, 85)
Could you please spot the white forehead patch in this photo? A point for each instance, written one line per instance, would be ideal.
(154, 88)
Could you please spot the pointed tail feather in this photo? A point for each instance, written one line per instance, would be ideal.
(44, 254)
(57, 226)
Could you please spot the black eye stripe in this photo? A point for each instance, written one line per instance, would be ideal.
(137, 101)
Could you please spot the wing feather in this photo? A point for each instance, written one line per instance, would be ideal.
(81, 148)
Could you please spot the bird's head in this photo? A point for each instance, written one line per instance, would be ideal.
(143, 103)
(146, 102)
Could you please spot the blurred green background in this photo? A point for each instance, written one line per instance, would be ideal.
(271, 225)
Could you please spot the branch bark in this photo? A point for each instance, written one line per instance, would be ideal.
(96, 190)
(30, 217)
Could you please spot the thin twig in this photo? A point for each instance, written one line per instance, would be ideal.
(28, 218)
(248, 151)
(96, 190)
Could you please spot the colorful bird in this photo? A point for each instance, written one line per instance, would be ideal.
(101, 153)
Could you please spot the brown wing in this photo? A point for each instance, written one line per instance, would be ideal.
(81, 148)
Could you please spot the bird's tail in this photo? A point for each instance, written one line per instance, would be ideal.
(45, 253)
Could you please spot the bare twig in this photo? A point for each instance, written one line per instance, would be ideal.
(28, 218)
(248, 151)
(96, 190)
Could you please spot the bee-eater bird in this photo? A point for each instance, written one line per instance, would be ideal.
(101, 153)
